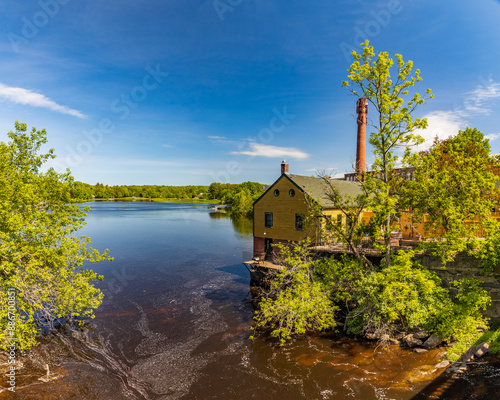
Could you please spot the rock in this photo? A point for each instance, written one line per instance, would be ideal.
(433, 341)
(421, 335)
(420, 350)
(481, 350)
(457, 368)
(385, 338)
(442, 364)
(411, 341)
(468, 356)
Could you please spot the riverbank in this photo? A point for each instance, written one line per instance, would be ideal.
(153, 200)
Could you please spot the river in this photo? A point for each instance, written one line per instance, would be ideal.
(174, 324)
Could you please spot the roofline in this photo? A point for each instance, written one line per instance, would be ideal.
(275, 182)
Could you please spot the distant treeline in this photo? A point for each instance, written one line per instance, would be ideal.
(239, 196)
(85, 191)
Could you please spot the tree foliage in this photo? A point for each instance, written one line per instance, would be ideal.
(241, 197)
(85, 191)
(454, 192)
(397, 298)
(389, 93)
(40, 255)
(351, 232)
(297, 301)
(315, 294)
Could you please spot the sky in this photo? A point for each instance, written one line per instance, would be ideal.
(189, 92)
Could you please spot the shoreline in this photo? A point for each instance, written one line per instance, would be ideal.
(152, 200)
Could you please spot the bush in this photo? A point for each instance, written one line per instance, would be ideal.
(400, 297)
(298, 301)
(460, 320)
(311, 295)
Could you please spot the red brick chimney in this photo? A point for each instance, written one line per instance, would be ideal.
(284, 167)
(362, 111)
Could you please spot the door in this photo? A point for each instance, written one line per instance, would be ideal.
(268, 247)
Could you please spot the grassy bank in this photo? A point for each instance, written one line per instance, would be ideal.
(491, 337)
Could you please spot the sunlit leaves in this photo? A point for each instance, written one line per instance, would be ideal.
(40, 259)
(387, 83)
(406, 296)
(298, 300)
(454, 194)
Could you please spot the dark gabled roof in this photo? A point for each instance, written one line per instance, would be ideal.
(319, 190)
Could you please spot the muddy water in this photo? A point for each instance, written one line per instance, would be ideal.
(175, 325)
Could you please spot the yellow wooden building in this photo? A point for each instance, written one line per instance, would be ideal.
(279, 214)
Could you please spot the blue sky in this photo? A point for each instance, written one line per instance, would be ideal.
(193, 91)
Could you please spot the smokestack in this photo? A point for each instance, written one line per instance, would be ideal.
(362, 111)
(284, 167)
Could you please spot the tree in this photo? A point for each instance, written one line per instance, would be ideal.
(350, 209)
(239, 196)
(42, 280)
(393, 126)
(313, 294)
(406, 296)
(454, 191)
(297, 301)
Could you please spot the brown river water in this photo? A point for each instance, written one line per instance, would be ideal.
(175, 323)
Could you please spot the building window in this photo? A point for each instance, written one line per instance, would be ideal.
(291, 192)
(339, 219)
(268, 223)
(299, 222)
(276, 192)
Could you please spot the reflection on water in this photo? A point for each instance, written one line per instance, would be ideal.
(241, 225)
(175, 322)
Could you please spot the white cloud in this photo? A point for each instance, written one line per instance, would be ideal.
(477, 100)
(444, 124)
(28, 97)
(492, 136)
(265, 150)
(217, 137)
(168, 146)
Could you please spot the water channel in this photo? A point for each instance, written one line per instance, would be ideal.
(174, 324)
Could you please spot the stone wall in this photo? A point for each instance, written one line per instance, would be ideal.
(466, 266)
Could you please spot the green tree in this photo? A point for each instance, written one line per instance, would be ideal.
(241, 197)
(406, 296)
(349, 229)
(454, 192)
(40, 257)
(387, 88)
(297, 301)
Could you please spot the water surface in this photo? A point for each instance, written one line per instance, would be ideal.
(174, 324)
